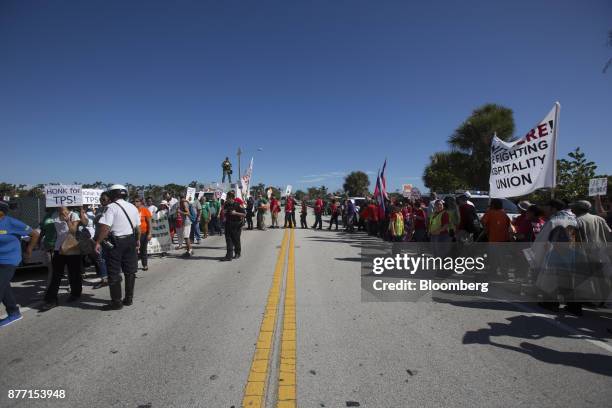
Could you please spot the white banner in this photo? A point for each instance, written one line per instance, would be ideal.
(246, 181)
(598, 187)
(63, 195)
(524, 165)
(91, 196)
(160, 234)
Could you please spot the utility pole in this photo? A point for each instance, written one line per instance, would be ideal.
(238, 154)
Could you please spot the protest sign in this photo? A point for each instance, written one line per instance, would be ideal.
(63, 195)
(288, 189)
(218, 194)
(415, 194)
(190, 193)
(598, 187)
(406, 190)
(524, 165)
(269, 193)
(91, 196)
(160, 234)
(246, 181)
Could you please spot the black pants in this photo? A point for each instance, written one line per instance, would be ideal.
(232, 240)
(333, 219)
(372, 227)
(122, 258)
(293, 218)
(59, 262)
(249, 220)
(214, 225)
(318, 221)
(303, 222)
(289, 219)
(6, 294)
(142, 253)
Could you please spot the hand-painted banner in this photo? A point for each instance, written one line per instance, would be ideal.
(63, 195)
(160, 231)
(524, 165)
(598, 187)
(91, 196)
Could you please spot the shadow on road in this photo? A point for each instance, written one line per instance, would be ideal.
(595, 363)
(534, 328)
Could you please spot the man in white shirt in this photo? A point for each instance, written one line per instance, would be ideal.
(120, 223)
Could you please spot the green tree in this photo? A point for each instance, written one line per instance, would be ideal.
(573, 176)
(258, 188)
(356, 183)
(299, 195)
(473, 138)
(316, 192)
(446, 172)
(468, 164)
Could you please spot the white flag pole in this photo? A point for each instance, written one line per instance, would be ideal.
(554, 149)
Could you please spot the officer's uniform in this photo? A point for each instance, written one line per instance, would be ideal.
(233, 228)
(123, 257)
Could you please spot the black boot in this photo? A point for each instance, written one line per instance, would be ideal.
(115, 292)
(129, 289)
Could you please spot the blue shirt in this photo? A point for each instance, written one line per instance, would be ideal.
(11, 231)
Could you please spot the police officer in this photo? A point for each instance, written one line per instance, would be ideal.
(234, 219)
(119, 232)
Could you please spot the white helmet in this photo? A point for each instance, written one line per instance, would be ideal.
(117, 187)
(117, 191)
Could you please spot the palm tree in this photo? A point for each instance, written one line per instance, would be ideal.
(473, 138)
(609, 63)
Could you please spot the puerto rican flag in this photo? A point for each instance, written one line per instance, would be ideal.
(380, 192)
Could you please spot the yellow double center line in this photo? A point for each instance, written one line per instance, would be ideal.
(286, 379)
(255, 390)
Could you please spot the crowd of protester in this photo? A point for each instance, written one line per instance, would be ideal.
(67, 234)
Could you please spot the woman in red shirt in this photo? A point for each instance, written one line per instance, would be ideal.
(274, 210)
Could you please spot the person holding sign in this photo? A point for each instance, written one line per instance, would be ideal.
(289, 212)
(66, 254)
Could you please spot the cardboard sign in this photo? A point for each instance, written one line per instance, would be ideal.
(160, 235)
(598, 187)
(91, 196)
(63, 195)
(190, 193)
(407, 190)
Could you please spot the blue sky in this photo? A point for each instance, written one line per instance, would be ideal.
(158, 92)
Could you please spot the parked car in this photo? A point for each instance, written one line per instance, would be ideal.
(481, 202)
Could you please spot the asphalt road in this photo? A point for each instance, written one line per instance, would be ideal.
(204, 333)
